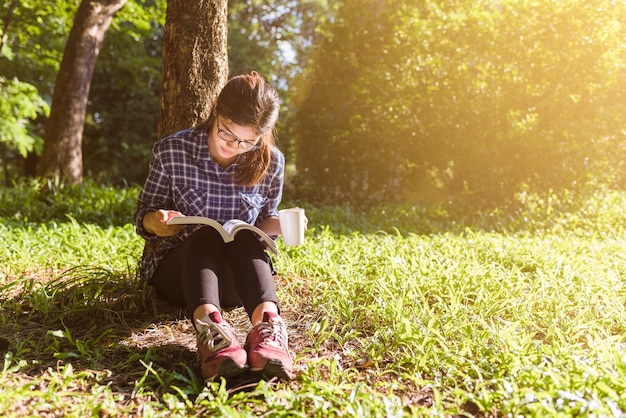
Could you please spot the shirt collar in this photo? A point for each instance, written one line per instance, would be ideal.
(201, 145)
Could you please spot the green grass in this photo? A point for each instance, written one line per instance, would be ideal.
(404, 310)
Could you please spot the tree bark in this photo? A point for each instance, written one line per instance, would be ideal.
(62, 153)
(195, 62)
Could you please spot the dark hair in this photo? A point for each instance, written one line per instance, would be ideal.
(247, 100)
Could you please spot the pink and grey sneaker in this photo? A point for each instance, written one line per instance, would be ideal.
(267, 348)
(220, 353)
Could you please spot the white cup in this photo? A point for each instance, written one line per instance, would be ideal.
(292, 225)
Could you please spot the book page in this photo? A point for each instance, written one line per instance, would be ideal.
(187, 220)
(235, 225)
(228, 230)
(232, 226)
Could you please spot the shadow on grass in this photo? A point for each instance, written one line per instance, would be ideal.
(96, 320)
(88, 330)
(109, 326)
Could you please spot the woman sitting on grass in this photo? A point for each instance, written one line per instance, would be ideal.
(225, 168)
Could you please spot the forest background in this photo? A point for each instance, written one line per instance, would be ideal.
(512, 307)
(382, 100)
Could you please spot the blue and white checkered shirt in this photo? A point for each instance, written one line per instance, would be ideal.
(184, 177)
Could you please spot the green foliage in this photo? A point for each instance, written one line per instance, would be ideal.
(121, 122)
(463, 98)
(345, 137)
(252, 39)
(395, 99)
(33, 35)
(518, 311)
(408, 310)
(122, 115)
(123, 107)
(86, 203)
(274, 39)
(21, 103)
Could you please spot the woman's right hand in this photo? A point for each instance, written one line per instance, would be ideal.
(155, 222)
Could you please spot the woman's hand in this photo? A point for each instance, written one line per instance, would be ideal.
(271, 225)
(156, 222)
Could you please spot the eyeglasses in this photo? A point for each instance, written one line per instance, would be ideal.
(229, 137)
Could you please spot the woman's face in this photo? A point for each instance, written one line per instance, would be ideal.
(228, 140)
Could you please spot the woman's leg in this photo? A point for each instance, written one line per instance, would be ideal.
(199, 271)
(167, 280)
(267, 342)
(203, 271)
(204, 260)
(190, 275)
(252, 274)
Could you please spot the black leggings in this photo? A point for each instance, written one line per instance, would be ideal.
(205, 270)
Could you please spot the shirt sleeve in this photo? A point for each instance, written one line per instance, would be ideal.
(155, 193)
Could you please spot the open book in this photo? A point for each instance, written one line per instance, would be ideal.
(228, 230)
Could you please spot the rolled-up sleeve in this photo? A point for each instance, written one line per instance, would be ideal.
(155, 194)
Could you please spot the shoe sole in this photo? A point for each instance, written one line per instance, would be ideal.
(274, 368)
(229, 369)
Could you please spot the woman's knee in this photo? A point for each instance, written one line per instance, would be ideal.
(205, 236)
(247, 241)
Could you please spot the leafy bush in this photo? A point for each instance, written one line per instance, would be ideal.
(19, 105)
(416, 98)
(86, 203)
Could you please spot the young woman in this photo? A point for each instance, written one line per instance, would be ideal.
(225, 168)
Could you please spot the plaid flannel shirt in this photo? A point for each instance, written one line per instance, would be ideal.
(184, 177)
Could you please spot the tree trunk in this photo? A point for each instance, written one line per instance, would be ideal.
(195, 62)
(62, 153)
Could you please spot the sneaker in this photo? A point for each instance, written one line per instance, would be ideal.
(220, 353)
(267, 348)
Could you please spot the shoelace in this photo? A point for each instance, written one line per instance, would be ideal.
(214, 336)
(272, 333)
